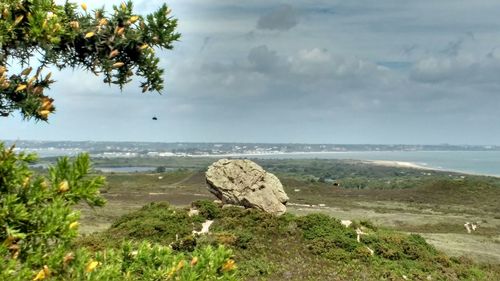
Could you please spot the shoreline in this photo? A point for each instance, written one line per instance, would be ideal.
(317, 155)
(411, 165)
(400, 164)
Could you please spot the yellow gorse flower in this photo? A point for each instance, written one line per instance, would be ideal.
(40, 275)
(64, 185)
(118, 64)
(89, 34)
(134, 19)
(74, 24)
(194, 261)
(46, 104)
(84, 6)
(91, 266)
(229, 265)
(180, 265)
(74, 225)
(20, 87)
(120, 30)
(113, 54)
(18, 20)
(26, 182)
(44, 114)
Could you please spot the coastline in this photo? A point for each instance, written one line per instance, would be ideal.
(371, 158)
(399, 164)
(410, 165)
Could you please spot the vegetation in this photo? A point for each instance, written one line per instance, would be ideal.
(38, 228)
(115, 45)
(37, 222)
(290, 247)
(39, 225)
(312, 247)
(352, 174)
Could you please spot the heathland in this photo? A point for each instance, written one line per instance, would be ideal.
(414, 219)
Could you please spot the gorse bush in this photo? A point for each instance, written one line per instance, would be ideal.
(38, 227)
(35, 211)
(117, 45)
(37, 222)
(131, 262)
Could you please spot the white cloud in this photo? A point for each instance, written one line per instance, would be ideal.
(344, 71)
(461, 70)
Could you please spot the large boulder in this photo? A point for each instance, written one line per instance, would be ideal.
(243, 182)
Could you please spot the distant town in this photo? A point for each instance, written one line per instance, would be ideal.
(157, 149)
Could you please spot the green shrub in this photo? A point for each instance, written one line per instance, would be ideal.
(186, 244)
(415, 247)
(316, 226)
(362, 253)
(208, 209)
(35, 211)
(141, 262)
(256, 267)
(368, 224)
(38, 226)
(155, 222)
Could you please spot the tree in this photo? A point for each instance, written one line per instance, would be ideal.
(115, 46)
(37, 222)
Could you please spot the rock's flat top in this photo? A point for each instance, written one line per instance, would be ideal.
(243, 182)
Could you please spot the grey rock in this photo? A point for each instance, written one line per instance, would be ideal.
(244, 183)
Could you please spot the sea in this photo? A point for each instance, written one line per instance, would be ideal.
(471, 162)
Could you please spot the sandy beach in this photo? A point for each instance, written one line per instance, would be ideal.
(399, 164)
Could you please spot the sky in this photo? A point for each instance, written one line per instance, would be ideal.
(303, 71)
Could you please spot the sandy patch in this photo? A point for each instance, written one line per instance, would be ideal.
(398, 164)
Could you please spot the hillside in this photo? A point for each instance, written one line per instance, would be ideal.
(311, 247)
(304, 244)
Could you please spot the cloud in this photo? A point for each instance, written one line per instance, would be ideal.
(282, 18)
(344, 71)
(453, 47)
(461, 70)
(264, 60)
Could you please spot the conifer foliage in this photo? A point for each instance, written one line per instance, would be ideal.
(115, 46)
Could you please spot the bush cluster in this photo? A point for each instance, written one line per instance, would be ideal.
(38, 227)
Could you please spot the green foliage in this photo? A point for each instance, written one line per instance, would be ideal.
(35, 211)
(160, 169)
(38, 227)
(117, 46)
(396, 246)
(131, 262)
(316, 226)
(311, 247)
(155, 222)
(208, 209)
